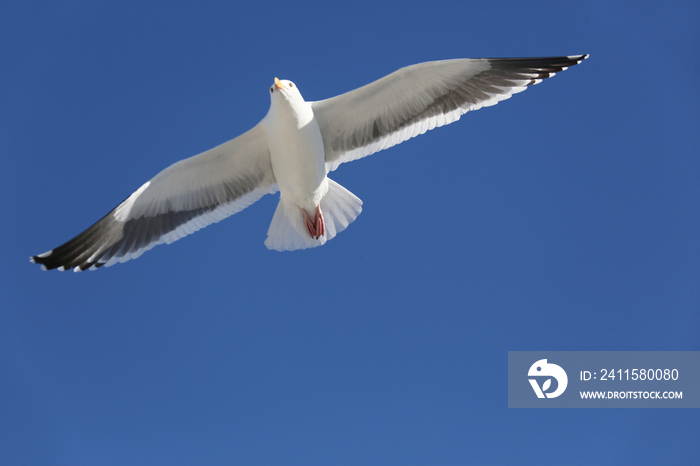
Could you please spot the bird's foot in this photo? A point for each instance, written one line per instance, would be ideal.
(317, 227)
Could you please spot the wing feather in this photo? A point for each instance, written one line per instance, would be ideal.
(180, 200)
(421, 97)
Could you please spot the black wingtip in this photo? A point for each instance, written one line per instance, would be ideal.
(37, 260)
(81, 252)
(49, 263)
(579, 58)
(42, 259)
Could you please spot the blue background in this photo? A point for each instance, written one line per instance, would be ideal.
(566, 218)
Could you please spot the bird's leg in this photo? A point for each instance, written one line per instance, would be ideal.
(310, 227)
(317, 227)
(320, 224)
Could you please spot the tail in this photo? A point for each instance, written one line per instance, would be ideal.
(287, 232)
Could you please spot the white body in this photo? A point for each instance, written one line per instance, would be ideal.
(296, 149)
(298, 161)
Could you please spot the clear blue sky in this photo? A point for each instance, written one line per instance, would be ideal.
(566, 218)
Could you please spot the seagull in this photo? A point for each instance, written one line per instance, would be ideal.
(292, 150)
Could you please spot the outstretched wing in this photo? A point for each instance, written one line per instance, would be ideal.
(180, 200)
(417, 98)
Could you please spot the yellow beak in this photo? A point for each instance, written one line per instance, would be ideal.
(278, 84)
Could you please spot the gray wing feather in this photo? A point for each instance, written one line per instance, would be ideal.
(183, 198)
(421, 97)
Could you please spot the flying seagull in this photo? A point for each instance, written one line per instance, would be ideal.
(292, 150)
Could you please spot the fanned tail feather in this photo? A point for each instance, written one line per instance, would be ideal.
(287, 231)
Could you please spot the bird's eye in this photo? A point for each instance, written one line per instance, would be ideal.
(291, 84)
(272, 89)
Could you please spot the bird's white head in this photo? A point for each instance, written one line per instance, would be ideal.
(285, 89)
